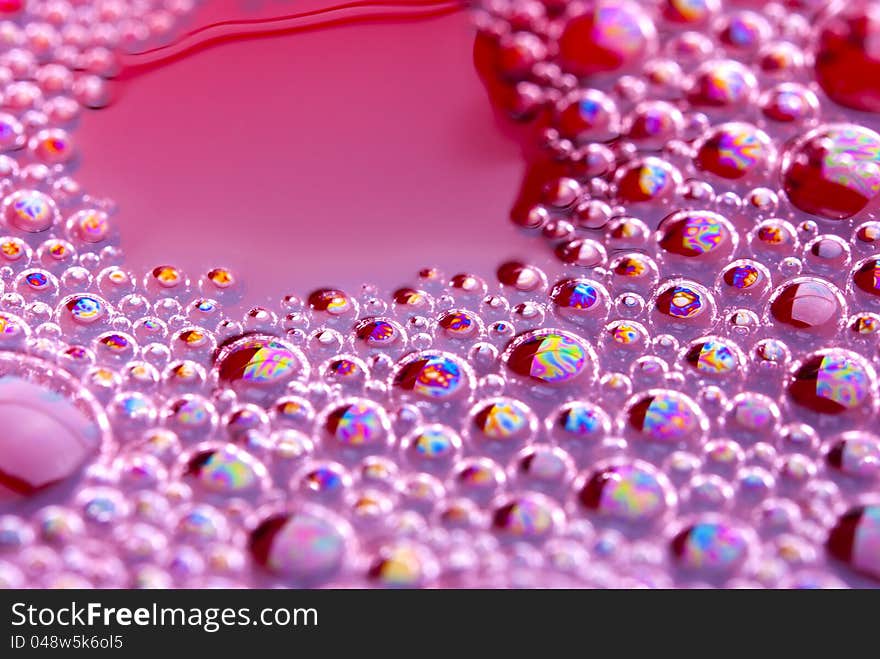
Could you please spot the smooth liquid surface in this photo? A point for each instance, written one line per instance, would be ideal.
(342, 155)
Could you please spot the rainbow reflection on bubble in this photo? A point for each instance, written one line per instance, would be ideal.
(258, 362)
(712, 356)
(550, 357)
(434, 442)
(223, 471)
(301, 545)
(733, 150)
(742, 276)
(432, 376)
(664, 416)
(626, 492)
(582, 420)
(681, 301)
(693, 233)
(84, 309)
(527, 516)
(356, 424)
(502, 419)
(710, 546)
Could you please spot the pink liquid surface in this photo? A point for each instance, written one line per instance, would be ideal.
(340, 155)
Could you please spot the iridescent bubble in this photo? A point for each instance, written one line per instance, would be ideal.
(379, 332)
(332, 302)
(631, 492)
(587, 115)
(696, 234)
(691, 12)
(433, 445)
(653, 124)
(665, 416)
(711, 546)
(714, 356)
(403, 565)
(866, 275)
(502, 420)
(528, 516)
(833, 171)
(30, 211)
(789, 103)
(460, 324)
(90, 226)
(58, 425)
(722, 84)
(832, 381)
(855, 453)
(648, 180)
(580, 421)
(855, 540)
(734, 150)
(308, 546)
(606, 36)
(225, 470)
(357, 423)
(260, 360)
(549, 356)
(433, 375)
(684, 301)
(746, 279)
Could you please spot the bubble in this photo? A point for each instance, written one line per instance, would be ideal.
(58, 426)
(607, 36)
(832, 381)
(721, 84)
(743, 31)
(309, 546)
(711, 546)
(460, 324)
(847, 65)
(647, 180)
(502, 421)
(691, 12)
(30, 211)
(433, 375)
(225, 470)
(807, 303)
(260, 360)
(356, 424)
(665, 416)
(734, 150)
(379, 333)
(855, 453)
(634, 272)
(692, 234)
(324, 479)
(544, 468)
(528, 516)
(832, 171)
(549, 357)
(52, 146)
(684, 301)
(789, 102)
(403, 565)
(630, 492)
(855, 538)
(478, 478)
(587, 115)
(714, 356)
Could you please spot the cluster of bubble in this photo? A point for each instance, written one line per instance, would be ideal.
(686, 401)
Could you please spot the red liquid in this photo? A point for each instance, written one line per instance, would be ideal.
(341, 154)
